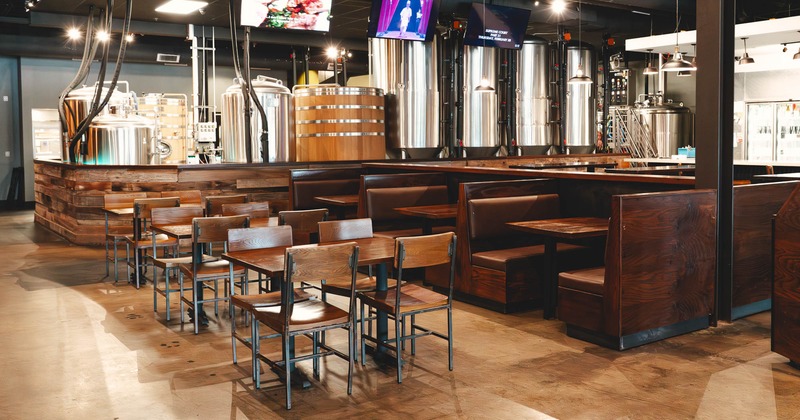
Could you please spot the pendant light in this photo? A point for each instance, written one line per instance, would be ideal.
(685, 73)
(484, 86)
(677, 63)
(650, 69)
(579, 78)
(746, 59)
(796, 55)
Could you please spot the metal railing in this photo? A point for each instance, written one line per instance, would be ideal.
(630, 134)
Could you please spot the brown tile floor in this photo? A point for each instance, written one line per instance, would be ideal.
(75, 345)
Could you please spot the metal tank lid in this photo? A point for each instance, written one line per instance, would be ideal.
(531, 39)
(88, 92)
(263, 84)
(115, 120)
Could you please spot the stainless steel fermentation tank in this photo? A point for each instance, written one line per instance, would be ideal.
(534, 134)
(670, 125)
(76, 107)
(481, 136)
(580, 113)
(276, 100)
(406, 71)
(115, 139)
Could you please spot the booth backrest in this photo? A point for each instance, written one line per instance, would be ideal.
(488, 216)
(305, 184)
(381, 181)
(381, 202)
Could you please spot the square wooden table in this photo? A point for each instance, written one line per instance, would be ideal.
(552, 231)
(340, 203)
(429, 214)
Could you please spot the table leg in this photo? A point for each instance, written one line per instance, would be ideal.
(550, 283)
(380, 354)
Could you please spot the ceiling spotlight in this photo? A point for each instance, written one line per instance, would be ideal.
(536, 3)
(103, 36)
(74, 33)
(181, 7)
(129, 38)
(558, 6)
(746, 59)
(332, 52)
(29, 4)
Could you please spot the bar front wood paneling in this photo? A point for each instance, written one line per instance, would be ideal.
(69, 198)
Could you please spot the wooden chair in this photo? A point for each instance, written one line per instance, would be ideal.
(257, 210)
(172, 216)
(408, 300)
(305, 264)
(207, 230)
(250, 239)
(214, 203)
(304, 223)
(118, 234)
(141, 241)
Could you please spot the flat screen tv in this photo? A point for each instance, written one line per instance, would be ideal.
(502, 27)
(303, 15)
(411, 20)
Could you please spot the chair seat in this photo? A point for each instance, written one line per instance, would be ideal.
(589, 280)
(174, 262)
(251, 302)
(306, 315)
(366, 284)
(147, 241)
(498, 259)
(210, 270)
(412, 298)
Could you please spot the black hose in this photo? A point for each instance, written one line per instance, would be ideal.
(88, 50)
(264, 138)
(117, 69)
(242, 79)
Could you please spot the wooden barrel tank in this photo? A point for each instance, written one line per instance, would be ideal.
(339, 123)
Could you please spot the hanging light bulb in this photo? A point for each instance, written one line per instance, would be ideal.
(484, 86)
(746, 59)
(677, 63)
(580, 78)
(796, 56)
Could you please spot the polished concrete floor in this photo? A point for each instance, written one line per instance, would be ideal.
(77, 346)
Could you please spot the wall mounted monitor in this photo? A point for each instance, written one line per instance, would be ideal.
(496, 26)
(410, 20)
(302, 15)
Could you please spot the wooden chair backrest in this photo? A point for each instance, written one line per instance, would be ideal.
(143, 206)
(313, 264)
(259, 237)
(214, 203)
(344, 230)
(187, 197)
(259, 210)
(215, 229)
(122, 200)
(174, 215)
(424, 251)
(304, 223)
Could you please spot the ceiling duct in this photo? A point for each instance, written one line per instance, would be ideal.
(168, 58)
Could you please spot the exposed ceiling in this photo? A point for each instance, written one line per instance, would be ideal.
(622, 19)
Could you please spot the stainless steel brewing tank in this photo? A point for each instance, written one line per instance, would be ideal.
(276, 100)
(406, 71)
(76, 108)
(481, 135)
(670, 125)
(117, 140)
(533, 132)
(580, 131)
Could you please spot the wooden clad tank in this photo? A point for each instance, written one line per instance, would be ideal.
(339, 123)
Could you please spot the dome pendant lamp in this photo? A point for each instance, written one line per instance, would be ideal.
(677, 63)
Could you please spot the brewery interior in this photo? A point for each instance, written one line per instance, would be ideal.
(598, 103)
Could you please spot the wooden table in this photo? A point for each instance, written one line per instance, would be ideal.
(372, 251)
(552, 231)
(590, 166)
(430, 214)
(655, 170)
(340, 203)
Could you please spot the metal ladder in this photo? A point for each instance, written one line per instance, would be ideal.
(630, 135)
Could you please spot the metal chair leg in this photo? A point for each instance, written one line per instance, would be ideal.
(450, 336)
(398, 351)
(287, 366)
(413, 340)
(315, 349)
